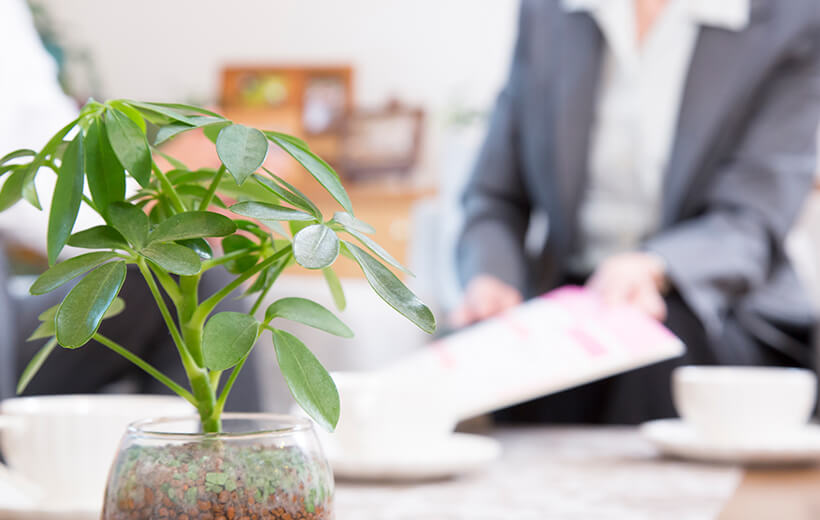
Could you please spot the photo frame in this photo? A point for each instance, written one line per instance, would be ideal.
(319, 97)
(382, 142)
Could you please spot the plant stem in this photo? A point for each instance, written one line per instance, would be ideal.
(208, 305)
(166, 315)
(270, 283)
(168, 284)
(212, 188)
(224, 259)
(169, 188)
(191, 331)
(220, 404)
(145, 366)
(205, 397)
(202, 381)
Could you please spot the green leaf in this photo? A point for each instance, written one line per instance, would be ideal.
(12, 190)
(289, 193)
(82, 310)
(212, 131)
(130, 112)
(176, 163)
(200, 246)
(160, 211)
(296, 226)
(129, 145)
(209, 125)
(335, 287)
(348, 221)
(151, 109)
(35, 364)
(308, 381)
(106, 177)
(261, 281)
(116, 308)
(17, 154)
(49, 314)
(252, 227)
(170, 131)
(378, 250)
(319, 169)
(392, 290)
(68, 270)
(308, 313)
(174, 258)
(228, 337)
(46, 329)
(4, 169)
(295, 141)
(198, 194)
(28, 189)
(131, 221)
(68, 194)
(192, 224)
(265, 211)
(242, 150)
(180, 107)
(238, 243)
(98, 237)
(315, 247)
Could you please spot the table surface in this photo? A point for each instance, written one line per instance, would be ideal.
(586, 473)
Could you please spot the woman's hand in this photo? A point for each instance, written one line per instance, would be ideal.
(485, 296)
(638, 279)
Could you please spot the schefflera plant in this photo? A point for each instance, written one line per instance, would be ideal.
(162, 230)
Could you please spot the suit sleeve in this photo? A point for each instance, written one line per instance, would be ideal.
(496, 206)
(728, 250)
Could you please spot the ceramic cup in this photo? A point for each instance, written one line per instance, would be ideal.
(381, 413)
(61, 447)
(744, 405)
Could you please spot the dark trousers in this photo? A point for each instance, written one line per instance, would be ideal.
(140, 328)
(645, 394)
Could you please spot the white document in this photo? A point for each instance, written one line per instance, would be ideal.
(561, 340)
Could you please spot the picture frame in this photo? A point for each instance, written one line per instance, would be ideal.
(316, 98)
(376, 143)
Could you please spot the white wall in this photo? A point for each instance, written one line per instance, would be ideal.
(425, 51)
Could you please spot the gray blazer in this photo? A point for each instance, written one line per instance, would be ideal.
(742, 164)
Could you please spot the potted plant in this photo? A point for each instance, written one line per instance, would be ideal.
(222, 465)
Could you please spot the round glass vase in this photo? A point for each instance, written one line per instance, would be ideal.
(261, 466)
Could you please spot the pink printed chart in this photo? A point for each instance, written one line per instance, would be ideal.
(563, 339)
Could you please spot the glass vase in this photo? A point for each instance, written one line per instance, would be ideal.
(261, 466)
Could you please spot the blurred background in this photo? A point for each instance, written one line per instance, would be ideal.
(394, 94)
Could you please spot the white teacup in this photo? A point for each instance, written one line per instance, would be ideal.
(744, 405)
(381, 413)
(62, 447)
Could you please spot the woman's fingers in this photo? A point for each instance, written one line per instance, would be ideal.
(484, 297)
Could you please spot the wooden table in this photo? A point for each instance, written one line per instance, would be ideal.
(589, 473)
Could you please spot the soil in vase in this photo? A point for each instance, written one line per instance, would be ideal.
(218, 480)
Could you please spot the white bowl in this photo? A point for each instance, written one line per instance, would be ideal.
(63, 446)
(737, 405)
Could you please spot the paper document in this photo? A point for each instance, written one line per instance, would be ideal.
(563, 339)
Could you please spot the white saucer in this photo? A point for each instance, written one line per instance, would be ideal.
(458, 454)
(675, 438)
(39, 513)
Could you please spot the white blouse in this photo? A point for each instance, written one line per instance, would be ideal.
(633, 132)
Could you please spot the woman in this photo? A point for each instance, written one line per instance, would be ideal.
(670, 144)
